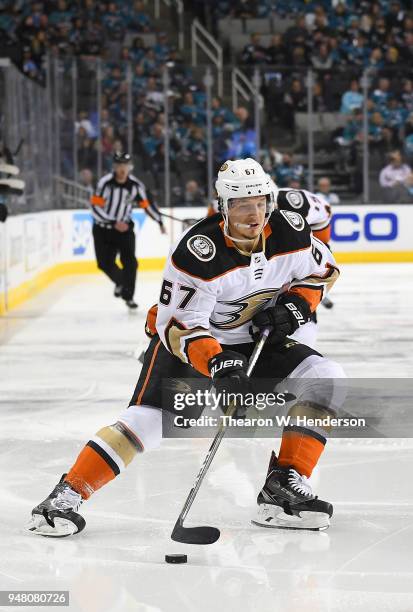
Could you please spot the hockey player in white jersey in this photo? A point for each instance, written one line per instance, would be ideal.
(317, 212)
(226, 278)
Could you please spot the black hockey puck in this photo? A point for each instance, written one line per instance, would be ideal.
(176, 558)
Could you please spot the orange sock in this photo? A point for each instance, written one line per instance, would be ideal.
(301, 451)
(91, 471)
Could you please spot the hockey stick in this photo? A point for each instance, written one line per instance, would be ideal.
(204, 534)
(185, 220)
(171, 217)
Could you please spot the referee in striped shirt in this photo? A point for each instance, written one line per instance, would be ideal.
(111, 207)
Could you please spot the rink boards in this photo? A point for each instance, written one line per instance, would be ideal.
(35, 249)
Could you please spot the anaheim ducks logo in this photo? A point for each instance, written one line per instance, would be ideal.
(243, 309)
(294, 219)
(202, 247)
(295, 199)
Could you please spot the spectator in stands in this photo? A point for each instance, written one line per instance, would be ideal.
(321, 58)
(196, 146)
(393, 68)
(409, 186)
(287, 170)
(245, 121)
(393, 178)
(375, 60)
(276, 52)
(407, 94)
(320, 23)
(190, 111)
(356, 49)
(298, 57)
(30, 68)
(376, 125)
(395, 15)
(324, 189)
(193, 195)
(140, 20)
(113, 22)
(85, 123)
(161, 47)
(154, 139)
(254, 52)
(227, 117)
(339, 18)
(153, 97)
(382, 94)
(108, 137)
(296, 35)
(139, 80)
(395, 114)
(352, 98)
(295, 100)
(138, 49)
(87, 155)
(407, 47)
(319, 104)
(408, 138)
(86, 179)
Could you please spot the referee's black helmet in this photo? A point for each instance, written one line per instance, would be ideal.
(119, 157)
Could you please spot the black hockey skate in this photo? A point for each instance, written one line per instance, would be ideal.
(57, 515)
(118, 291)
(131, 304)
(286, 501)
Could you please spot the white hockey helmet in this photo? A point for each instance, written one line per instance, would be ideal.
(244, 178)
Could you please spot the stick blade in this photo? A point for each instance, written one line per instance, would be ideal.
(195, 535)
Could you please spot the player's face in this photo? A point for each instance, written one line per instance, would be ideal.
(246, 217)
(121, 172)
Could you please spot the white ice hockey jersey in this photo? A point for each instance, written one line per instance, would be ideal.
(314, 208)
(211, 290)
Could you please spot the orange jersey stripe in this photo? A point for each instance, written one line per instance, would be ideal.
(142, 391)
(324, 234)
(200, 351)
(144, 204)
(311, 295)
(97, 200)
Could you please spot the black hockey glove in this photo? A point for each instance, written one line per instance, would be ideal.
(284, 318)
(228, 372)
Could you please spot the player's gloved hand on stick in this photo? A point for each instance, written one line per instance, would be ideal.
(228, 372)
(284, 318)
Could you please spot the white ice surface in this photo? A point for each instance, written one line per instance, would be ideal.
(68, 366)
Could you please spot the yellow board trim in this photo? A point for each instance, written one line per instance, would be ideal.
(20, 294)
(374, 257)
(28, 289)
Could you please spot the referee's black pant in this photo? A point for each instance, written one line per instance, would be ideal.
(109, 243)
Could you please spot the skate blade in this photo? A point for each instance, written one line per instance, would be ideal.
(62, 529)
(274, 517)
